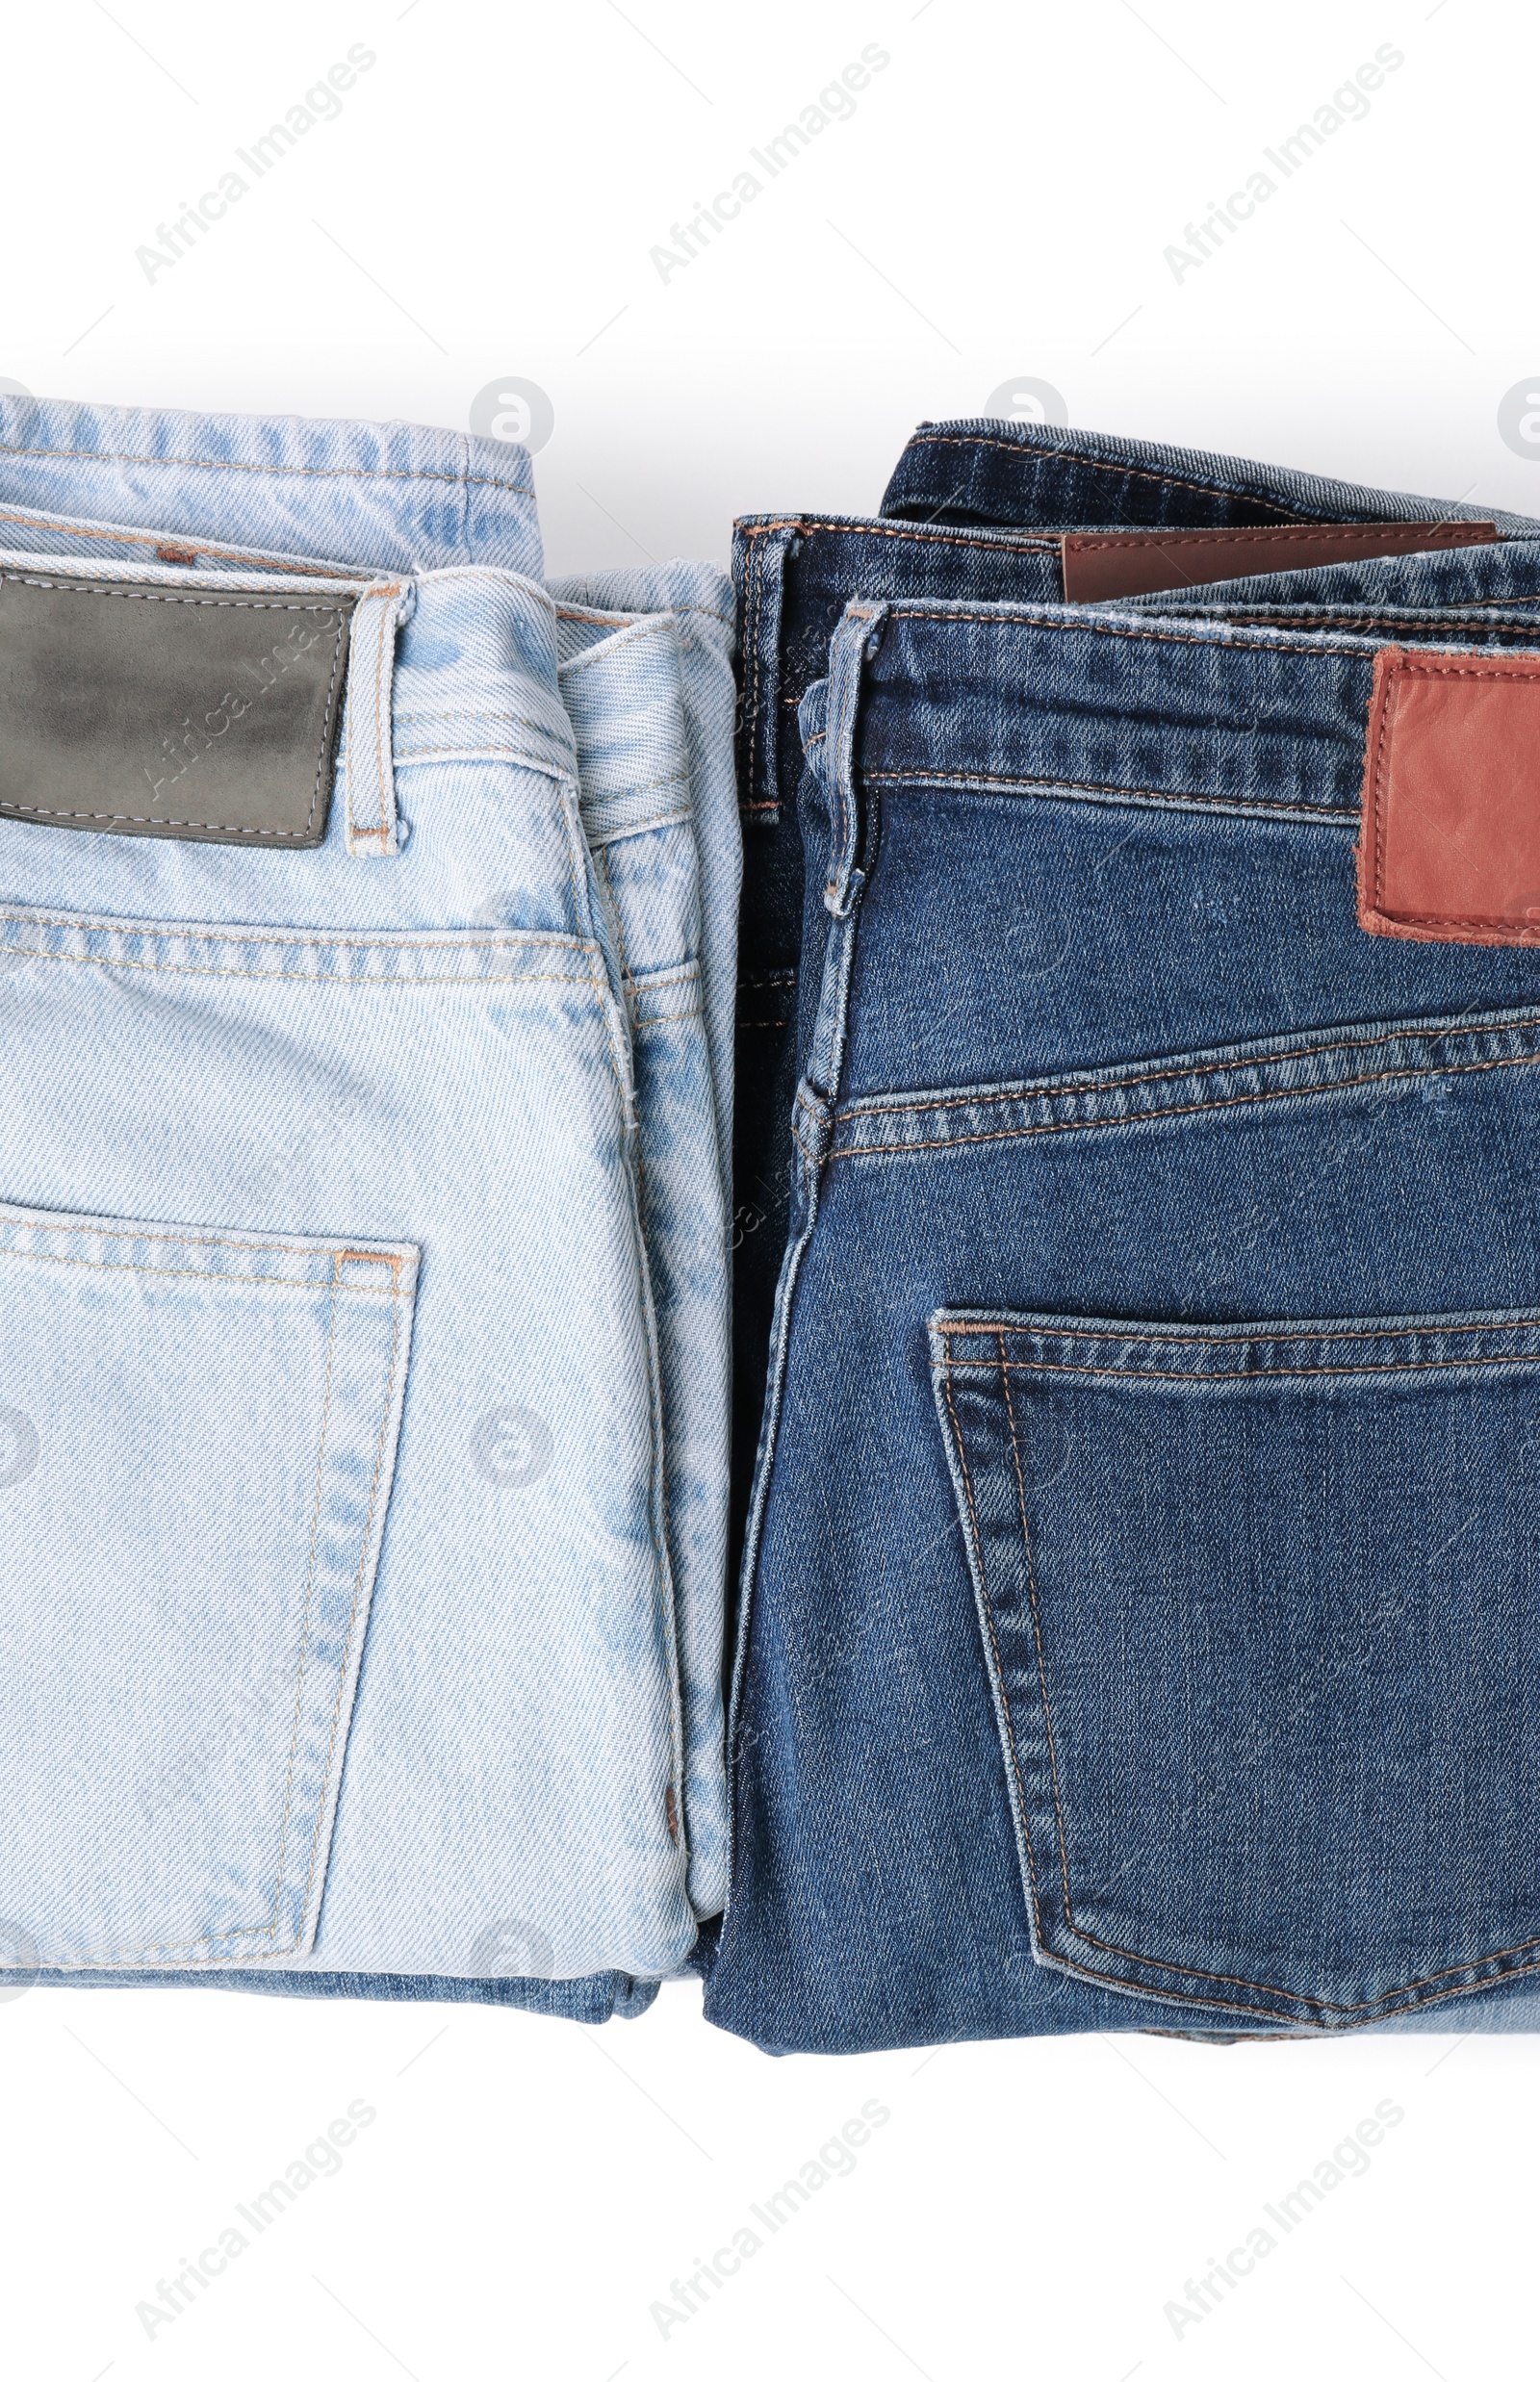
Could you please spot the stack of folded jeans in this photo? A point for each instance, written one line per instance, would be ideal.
(363, 1130)
(1095, 1317)
(1138, 1207)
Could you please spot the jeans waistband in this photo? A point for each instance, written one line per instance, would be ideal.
(619, 678)
(386, 497)
(1035, 474)
(1110, 706)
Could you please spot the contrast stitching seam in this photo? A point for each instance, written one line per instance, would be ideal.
(647, 625)
(177, 1241)
(195, 1274)
(285, 976)
(1037, 1629)
(148, 930)
(1006, 541)
(287, 471)
(1338, 532)
(984, 1097)
(310, 1587)
(172, 595)
(1102, 463)
(1002, 617)
(1267, 1372)
(1099, 786)
(1227, 1339)
(352, 1612)
(197, 547)
(1198, 1108)
(999, 1663)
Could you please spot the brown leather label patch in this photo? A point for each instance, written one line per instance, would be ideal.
(1449, 848)
(1101, 564)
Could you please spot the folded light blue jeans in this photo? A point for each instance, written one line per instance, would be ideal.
(357, 1257)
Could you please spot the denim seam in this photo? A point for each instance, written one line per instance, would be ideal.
(111, 535)
(1270, 1372)
(352, 1610)
(1037, 1630)
(1083, 625)
(292, 939)
(630, 827)
(629, 627)
(184, 1241)
(304, 1643)
(1010, 1732)
(1223, 1337)
(1360, 623)
(1198, 1108)
(463, 476)
(287, 470)
(188, 1273)
(1143, 540)
(1123, 471)
(510, 755)
(655, 979)
(1059, 1087)
(277, 976)
(1182, 800)
(1006, 541)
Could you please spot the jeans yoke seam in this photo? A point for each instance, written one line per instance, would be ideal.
(1197, 1108)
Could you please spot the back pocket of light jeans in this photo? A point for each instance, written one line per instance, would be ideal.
(1260, 1611)
(198, 1431)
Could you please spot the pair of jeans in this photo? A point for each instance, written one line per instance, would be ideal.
(364, 1374)
(1140, 1574)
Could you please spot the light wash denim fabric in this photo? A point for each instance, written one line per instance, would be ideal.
(698, 598)
(312, 1160)
(620, 679)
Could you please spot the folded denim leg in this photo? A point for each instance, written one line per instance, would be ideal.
(620, 679)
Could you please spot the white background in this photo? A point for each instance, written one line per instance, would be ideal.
(999, 205)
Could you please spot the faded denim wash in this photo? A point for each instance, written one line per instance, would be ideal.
(345, 1141)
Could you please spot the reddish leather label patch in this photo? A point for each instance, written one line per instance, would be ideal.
(1101, 564)
(1450, 849)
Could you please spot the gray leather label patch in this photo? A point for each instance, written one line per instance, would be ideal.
(130, 708)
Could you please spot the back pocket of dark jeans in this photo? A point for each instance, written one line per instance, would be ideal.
(1261, 1610)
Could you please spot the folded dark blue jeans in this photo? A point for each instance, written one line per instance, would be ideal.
(1141, 1579)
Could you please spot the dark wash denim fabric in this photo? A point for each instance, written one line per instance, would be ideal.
(794, 576)
(974, 509)
(1141, 1579)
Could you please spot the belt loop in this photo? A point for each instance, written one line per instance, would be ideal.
(854, 641)
(372, 828)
